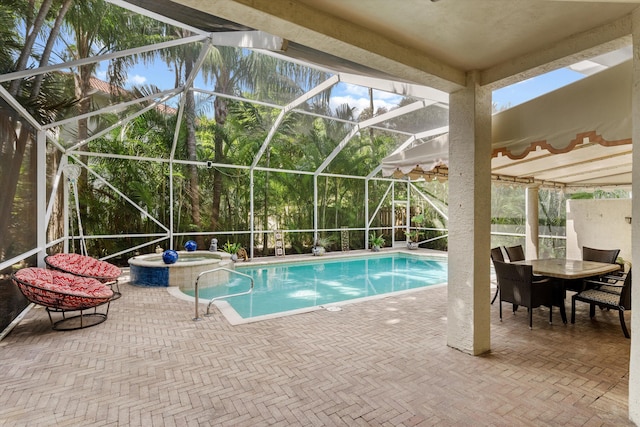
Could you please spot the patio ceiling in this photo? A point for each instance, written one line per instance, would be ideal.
(435, 43)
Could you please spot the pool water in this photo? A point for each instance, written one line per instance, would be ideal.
(292, 286)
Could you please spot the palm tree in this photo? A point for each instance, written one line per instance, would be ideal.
(240, 70)
(182, 59)
(92, 28)
(43, 105)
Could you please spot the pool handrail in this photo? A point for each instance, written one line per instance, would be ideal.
(220, 297)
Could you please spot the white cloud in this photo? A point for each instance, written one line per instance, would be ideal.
(136, 80)
(354, 90)
(393, 97)
(358, 97)
(360, 103)
(101, 74)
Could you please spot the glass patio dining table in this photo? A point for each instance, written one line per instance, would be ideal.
(568, 269)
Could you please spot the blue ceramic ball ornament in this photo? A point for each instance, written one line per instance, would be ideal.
(170, 256)
(190, 246)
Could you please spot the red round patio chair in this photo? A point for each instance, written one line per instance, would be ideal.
(86, 266)
(61, 292)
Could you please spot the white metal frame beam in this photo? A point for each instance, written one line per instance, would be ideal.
(409, 141)
(404, 89)
(125, 120)
(370, 122)
(94, 59)
(114, 108)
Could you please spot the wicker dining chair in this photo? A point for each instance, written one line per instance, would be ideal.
(518, 287)
(515, 253)
(600, 255)
(608, 256)
(496, 255)
(606, 299)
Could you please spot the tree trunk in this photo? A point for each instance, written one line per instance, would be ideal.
(51, 41)
(83, 88)
(13, 148)
(10, 174)
(190, 119)
(337, 197)
(30, 40)
(220, 108)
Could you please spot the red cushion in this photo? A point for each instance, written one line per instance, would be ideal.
(84, 266)
(60, 290)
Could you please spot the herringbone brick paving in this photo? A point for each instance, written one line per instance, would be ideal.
(375, 363)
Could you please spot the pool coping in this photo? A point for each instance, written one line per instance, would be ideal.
(234, 319)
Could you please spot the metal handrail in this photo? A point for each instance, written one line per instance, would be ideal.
(223, 296)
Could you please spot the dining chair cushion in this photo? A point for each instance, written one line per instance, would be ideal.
(616, 301)
(612, 289)
(599, 296)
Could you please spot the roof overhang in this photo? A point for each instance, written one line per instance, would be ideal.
(575, 137)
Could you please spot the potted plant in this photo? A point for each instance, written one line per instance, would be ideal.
(376, 242)
(232, 248)
(413, 236)
(320, 245)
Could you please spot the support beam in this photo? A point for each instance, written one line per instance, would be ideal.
(576, 48)
(96, 59)
(634, 362)
(531, 232)
(306, 25)
(368, 123)
(468, 308)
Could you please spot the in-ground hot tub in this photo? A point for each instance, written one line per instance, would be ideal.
(150, 270)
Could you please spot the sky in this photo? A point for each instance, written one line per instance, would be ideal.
(526, 90)
(358, 97)
(355, 96)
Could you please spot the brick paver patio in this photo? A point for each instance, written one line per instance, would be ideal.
(375, 363)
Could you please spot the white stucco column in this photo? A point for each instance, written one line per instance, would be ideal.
(531, 233)
(468, 308)
(634, 363)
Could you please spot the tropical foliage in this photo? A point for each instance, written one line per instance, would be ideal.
(193, 154)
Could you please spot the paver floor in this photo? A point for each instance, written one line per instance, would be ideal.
(377, 363)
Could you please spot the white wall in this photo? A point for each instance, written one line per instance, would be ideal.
(600, 224)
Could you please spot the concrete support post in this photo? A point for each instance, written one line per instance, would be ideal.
(468, 308)
(634, 363)
(531, 234)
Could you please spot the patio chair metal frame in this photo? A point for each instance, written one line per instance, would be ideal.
(606, 299)
(59, 297)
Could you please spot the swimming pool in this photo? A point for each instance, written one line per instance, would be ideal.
(285, 288)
